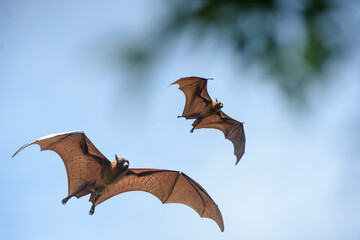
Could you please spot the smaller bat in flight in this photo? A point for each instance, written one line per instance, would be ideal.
(90, 172)
(208, 114)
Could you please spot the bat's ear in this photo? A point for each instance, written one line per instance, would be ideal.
(116, 157)
(216, 100)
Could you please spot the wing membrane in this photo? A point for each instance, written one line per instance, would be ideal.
(169, 187)
(196, 94)
(80, 168)
(232, 129)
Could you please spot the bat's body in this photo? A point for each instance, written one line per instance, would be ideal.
(208, 114)
(109, 176)
(90, 172)
(210, 109)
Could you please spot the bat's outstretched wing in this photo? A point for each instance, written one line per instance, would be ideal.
(196, 94)
(170, 187)
(232, 129)
(81, 158)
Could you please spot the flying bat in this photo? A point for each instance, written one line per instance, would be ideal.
(208, 114)
(90, 172)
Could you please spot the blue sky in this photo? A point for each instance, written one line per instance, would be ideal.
(298, 178)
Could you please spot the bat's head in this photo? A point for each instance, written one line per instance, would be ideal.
(218, 104)
(122, 163)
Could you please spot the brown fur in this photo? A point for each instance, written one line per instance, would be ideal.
(209, 110)
(110, 175)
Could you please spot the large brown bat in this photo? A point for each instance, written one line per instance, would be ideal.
(208, 113)
(89, 171)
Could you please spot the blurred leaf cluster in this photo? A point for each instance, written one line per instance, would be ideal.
(292, 39)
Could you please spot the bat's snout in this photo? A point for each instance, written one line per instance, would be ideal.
(122, 164)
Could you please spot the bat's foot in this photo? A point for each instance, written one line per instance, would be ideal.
(64, 201)
(192, 130)
(180, 116)
(92, 210)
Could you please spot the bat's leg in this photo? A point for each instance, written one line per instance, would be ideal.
(190, 115)
(92, 209)
(197, 121)
(64, 201)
